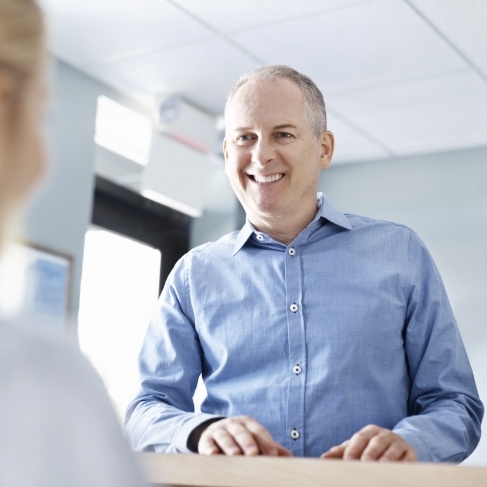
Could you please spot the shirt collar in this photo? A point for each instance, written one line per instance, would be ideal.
(325, 210)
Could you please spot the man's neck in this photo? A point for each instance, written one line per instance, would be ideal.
(284, 229)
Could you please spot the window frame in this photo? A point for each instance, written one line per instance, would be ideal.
(128, 213)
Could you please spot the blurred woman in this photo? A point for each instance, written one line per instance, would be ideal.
(57, 425)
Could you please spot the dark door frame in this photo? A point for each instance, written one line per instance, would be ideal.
(129, 213)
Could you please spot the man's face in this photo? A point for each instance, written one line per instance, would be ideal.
(272, 157)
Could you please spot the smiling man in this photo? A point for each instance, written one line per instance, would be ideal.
(316, 333)
(274, 157)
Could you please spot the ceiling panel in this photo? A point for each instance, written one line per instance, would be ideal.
(463, 22)
(378, 42)
(203, 73)
(351, 145)
(390, 70)
(434, 114)
(83, 32)
(228, 17)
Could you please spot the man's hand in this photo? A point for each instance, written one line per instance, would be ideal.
(240, 435)
(373, 443)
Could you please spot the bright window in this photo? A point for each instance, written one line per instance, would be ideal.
(119, 290)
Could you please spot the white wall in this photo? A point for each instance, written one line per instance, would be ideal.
(59, 213)
(443, 197)
(220, 203)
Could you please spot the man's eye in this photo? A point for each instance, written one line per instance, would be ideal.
(243, 139)
(284, 135)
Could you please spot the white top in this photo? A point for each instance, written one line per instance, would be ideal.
(57, 425)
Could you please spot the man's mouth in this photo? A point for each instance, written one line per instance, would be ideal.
(267, 179)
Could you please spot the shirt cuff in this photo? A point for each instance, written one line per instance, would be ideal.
(422, 451)
(182, 436)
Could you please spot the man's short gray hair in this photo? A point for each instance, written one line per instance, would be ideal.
(314, 104)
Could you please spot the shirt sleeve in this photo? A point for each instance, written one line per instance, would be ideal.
(444, 406)
(161, 417)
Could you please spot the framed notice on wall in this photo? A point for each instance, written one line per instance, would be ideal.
(46, 276)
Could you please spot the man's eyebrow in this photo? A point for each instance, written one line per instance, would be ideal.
(285, 126)
(276, 127)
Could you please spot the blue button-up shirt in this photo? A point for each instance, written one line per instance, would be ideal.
(348, 325)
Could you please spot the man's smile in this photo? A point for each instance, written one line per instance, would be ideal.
(266, 179)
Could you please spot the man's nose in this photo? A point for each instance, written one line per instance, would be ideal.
(263, 152)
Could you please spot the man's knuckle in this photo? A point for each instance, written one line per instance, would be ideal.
(360, 435)
(371, 428)
(245, 419)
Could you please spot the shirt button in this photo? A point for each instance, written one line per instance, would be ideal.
(291, 251)
(297, 369)
(294, 308)
(259, 236)
(295, 434)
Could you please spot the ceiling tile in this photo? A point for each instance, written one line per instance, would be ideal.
(436, 114)
(370, 43)
(203, 73)
(463, 22)
(227, 17)
(84, 32)
(351, 145)
(384, 71)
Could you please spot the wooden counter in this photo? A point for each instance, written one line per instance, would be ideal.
(220, 471)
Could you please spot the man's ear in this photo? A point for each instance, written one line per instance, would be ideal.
(327, 141)
(225, 153)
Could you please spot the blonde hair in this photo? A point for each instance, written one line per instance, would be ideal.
(21, 37)
(21, 61)
(21, 49)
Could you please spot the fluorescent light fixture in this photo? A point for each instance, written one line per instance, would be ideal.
(176, 175)
(172, 203)
(122, 130)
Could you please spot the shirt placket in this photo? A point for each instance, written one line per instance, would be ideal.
(297, 352)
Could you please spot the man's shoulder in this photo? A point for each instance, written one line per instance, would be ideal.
(224, 245)
(379, 232)
(358, 221)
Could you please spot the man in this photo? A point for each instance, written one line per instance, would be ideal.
(316, 333)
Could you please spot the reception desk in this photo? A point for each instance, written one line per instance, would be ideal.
(220, 471)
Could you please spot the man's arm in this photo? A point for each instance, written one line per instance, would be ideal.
(161, 417)
(445, 411)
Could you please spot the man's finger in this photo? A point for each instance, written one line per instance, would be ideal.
(385, 445)
(358, 442)
(283, 452)
(216, 440)
(239, 436)
(374, 443)
(267, 445)
(243, 438)
(335, 451)
(399, 451)
(207, 446)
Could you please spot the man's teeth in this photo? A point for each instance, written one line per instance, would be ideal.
(268, 179)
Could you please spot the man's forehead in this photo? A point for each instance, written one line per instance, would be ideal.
(253, 88)
(272, 93)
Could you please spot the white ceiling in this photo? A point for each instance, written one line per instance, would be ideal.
(400, 77)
